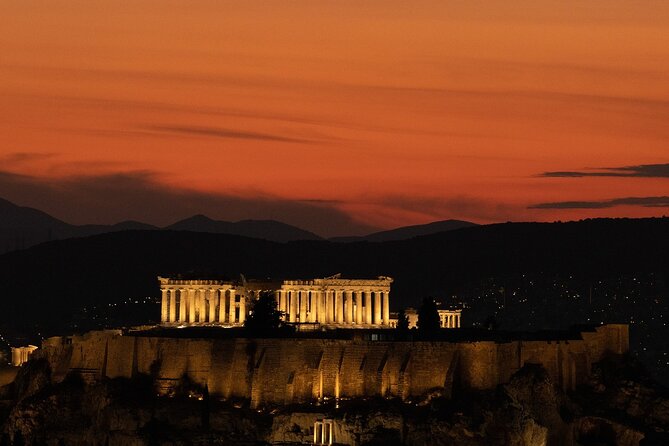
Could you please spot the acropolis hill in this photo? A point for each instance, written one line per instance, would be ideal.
(310, 367)
(344, 361)
(340, 362)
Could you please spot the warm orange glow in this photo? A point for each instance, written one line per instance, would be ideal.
(395, 112)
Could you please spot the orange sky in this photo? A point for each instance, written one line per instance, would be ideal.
(386, 112)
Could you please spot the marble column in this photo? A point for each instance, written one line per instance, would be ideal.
(338, 305)
(377, 308)
(358, 308)
(320, 301)
(231, 315)
(347, 305)
(349, 314)
(368, 307)
(386, 309)
(201, 305)
(191, 305)
(164, 306)
(457, 321)
(321, 307)
(313, 306)
(204, 305)
(183, 305)
(196, 304)
(293, 301)
(211, 315)
(327, 298)
(304, 301)
(221, 306)
(173, 306)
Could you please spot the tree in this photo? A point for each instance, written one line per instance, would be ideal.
(402, 321)
(264, 317)
(490, 323)
(428, 317)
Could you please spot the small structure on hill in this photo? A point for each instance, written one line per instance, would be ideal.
(447, 318)
(20, 355)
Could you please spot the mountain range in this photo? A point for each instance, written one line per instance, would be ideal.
(22, 227)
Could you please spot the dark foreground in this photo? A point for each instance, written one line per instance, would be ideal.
(618, 406)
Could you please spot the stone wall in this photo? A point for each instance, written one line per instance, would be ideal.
(285, 371)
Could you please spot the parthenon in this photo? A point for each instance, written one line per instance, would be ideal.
(330, 301)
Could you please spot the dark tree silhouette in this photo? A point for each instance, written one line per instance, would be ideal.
(428, 317)
(264, 317)
(490, 323)
(402, 321)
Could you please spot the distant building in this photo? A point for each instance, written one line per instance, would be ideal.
(447, 318)
(20, 355)
(331, 301)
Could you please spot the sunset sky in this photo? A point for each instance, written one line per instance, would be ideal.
(340, 117)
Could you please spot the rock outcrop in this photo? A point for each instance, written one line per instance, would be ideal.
(617, 407)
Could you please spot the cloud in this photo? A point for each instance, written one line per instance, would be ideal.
(640, 171)
(17, 158)
(222, 133)
(428, 208)
(141, 196)
(648, 202)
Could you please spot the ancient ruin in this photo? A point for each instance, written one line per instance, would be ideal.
(331, 301)
(20, 355)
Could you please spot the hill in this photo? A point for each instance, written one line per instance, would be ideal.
(512, 276)
(23, 227)
(262, 229)
(60, 276)
(407, 232)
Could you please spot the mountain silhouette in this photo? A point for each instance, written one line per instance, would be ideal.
(23, 227)
(262, 229)
(407, 232)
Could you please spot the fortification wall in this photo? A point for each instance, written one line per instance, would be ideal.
(284, 371)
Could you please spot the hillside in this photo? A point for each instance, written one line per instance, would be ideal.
(407, 232)
(262, 229)
(23, 227)
(512, 275)
(62, 275)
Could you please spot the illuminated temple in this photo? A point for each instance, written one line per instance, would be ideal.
(331, 301)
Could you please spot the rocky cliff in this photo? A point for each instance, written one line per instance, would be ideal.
(618, 406)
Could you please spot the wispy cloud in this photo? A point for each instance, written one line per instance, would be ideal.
(222, 133)
(430, 208)
(24, 157)
(648, 202)
(639, 171)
